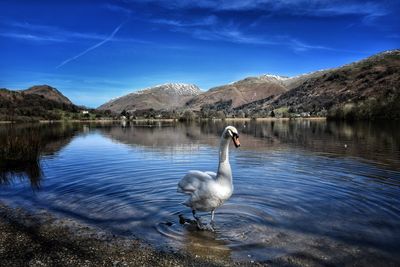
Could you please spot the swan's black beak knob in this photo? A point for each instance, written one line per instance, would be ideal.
(236, 141)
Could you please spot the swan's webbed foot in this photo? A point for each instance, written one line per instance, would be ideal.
(212, 223)
(182, 220)
(201, 225)
(205, 226)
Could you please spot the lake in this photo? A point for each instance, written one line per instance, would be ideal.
(318, 189)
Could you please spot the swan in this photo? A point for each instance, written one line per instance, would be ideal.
(209, 190)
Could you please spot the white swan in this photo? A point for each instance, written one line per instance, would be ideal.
(208, 190)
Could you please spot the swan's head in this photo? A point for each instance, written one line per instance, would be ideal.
(233, 133)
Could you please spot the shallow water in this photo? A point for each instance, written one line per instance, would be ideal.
(328, 190)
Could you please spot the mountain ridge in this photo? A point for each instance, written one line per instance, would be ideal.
(360, 87)
(48, 92)
(319, 91)
(35, 103)
(160, 97)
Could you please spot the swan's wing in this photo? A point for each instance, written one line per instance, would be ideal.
(212, 174)
(193, 180)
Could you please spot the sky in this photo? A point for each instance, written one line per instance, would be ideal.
(93, 51)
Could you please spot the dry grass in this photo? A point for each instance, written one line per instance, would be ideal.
(20, 150)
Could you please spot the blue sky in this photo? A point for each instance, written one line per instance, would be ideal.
(93, 51)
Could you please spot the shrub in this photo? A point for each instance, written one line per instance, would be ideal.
(188, 115)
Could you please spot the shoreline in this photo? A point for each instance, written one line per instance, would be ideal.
(42, 239)
(168, 120)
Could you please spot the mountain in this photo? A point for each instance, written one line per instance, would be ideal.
(367, 84)
(365, 89)
(161, 97)
(48, 92)
(240, 92)
(43, 91)
(35, 103)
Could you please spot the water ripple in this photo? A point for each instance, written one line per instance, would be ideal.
(286, 199)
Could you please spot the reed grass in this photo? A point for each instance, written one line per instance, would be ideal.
(20, 145)
(20, 150)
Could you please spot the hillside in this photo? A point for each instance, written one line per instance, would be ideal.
(49, 93)
(367, 89)
(162, 97)
(360, 90)
(361, 87)
(240, 92)
(35, 103)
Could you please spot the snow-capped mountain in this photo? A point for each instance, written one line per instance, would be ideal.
(181, 89)
(160, 97)
(323, 89)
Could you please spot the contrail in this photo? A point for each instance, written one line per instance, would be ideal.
(92, 47)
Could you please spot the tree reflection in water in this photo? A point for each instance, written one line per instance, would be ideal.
(23, 146)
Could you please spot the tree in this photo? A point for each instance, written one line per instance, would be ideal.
(220, 114)
(188, 115)
(272, 114)
(240, 114)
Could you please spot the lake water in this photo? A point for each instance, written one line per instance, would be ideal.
(323, 190)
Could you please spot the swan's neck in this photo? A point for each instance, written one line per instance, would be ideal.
(224, 173)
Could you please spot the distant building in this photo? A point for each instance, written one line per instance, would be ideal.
(305, 114)
(85, 112)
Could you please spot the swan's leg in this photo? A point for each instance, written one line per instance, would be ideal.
(212, 223)
(200, 225)
(198, 221)
(182, 220)
(195, 216)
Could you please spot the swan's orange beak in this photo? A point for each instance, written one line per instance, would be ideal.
(236, 141)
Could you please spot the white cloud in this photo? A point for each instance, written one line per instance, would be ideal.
(117, 8)
(45, 33)
(231, 33)
(294, 7)
(206, 21)
(31, 37)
